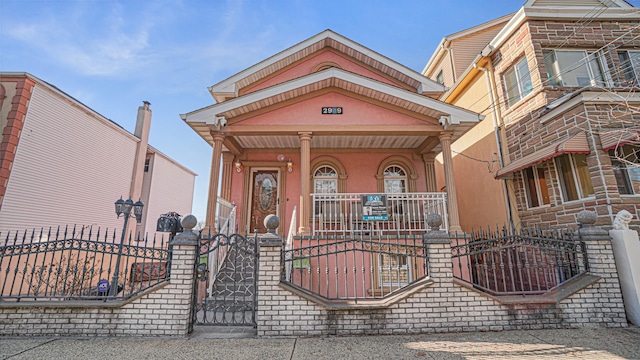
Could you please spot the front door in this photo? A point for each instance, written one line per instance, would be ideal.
(264, 198)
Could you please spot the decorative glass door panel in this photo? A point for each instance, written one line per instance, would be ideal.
(264, 198)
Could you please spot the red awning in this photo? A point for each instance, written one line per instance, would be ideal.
(576, 144)
(618, 137)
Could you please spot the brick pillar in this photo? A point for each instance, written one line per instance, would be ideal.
(268, 277)
(183, 263)
(437, 244)
(602, 263)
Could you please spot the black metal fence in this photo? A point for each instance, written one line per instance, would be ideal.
(354, 267)
(80, 263)
(533, 261)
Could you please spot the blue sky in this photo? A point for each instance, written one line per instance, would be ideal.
(111, 55)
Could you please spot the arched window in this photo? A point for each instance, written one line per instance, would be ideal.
(396, 174)
(325, 180)
(395, 180)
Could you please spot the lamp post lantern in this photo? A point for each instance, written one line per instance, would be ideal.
(124, 207)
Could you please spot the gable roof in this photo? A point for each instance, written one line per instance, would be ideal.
(326, 78)
(327, 38)
(444, 43)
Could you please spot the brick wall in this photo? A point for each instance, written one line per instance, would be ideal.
(442, 307)
(162, 311)
(525, 133)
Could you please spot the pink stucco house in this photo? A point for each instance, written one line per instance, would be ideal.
(317, 126)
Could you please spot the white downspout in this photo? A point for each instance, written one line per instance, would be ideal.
(496, 126)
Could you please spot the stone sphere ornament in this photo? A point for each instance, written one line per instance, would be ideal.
(587, 217)
(189, 222)
(271, 222)
(434, 221)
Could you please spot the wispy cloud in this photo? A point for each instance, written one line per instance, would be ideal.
(89, 42)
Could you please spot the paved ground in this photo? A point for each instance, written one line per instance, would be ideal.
(590, 344)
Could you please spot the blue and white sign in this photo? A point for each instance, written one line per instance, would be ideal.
(374, 207)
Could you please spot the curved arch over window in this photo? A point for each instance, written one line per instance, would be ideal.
(395, 180)
(393, 164)
(333, 163)
(325, 65)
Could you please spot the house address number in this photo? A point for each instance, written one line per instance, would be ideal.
(332, 110)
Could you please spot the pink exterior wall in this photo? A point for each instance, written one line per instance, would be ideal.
(307, 66)
(308, 112)
(361, 168)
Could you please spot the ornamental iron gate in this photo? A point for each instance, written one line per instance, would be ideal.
(226, 274)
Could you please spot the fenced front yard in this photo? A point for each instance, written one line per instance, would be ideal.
(80, 263)
(533, 261)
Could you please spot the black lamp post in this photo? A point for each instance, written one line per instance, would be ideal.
(124, 207)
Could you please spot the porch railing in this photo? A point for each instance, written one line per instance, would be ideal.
(362, 268)
(533, 261)
(77, 263)
(223, 213)
(216, 259)
(343, 214)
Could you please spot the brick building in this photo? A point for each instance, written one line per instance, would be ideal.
(559, 81)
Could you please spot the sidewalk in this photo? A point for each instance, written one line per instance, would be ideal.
(597, 343)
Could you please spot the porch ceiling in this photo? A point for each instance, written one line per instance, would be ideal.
(333, 142)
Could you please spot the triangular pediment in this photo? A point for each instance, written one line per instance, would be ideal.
(231, 87)
(242, 116)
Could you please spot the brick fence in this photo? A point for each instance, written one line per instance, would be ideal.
(445, 306)
(161, 311)
(439, 305)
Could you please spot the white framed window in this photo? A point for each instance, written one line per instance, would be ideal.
(573, 175)
(325, 181)
(576, 68)
(440, 77)
(535, 184)
(517, 81)
(630, 67)
(393, 270)
(625, 161)
(395, 180)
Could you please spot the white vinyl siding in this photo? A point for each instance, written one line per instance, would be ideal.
(170, 189)
(465, 49)
(70, 167)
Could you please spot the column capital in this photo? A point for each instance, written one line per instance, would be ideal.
(430, 156)
(305, 135)
(445, 135)
(217, 136)
(227, 156)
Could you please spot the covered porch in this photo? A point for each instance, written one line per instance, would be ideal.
(346, 137)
